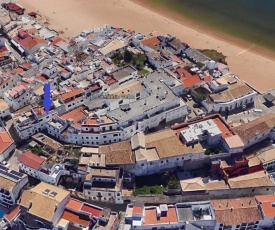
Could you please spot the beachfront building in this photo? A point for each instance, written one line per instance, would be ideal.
(257, 130)
(26, 44)
(42, 206)
(235, 96)
(179, 216)
(113, 47)
(11, 183)
(103, 184)
(39, 168)
(7, 144)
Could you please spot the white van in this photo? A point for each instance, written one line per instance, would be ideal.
(257, 110)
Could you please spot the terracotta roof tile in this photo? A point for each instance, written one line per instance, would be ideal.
(31, 160)
(75, 218)
(236, 211)
(5, 140)
(249, 130)
(266, 203)
(74, 205)
(150, 217)
(71, 94)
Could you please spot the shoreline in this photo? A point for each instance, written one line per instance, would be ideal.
(254, 68)
(198, 26)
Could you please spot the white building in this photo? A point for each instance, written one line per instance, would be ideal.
(255, 131)
(237, 95)
(31, 122)
(179, 216)
(43, 203)
(7, 81)
(161, 151)
(202, 131)
(103, 184)
(11, 183)
(17, 97)
(37, 167)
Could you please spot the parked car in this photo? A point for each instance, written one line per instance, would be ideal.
(189, 97)
(196, 105)
(5, 163)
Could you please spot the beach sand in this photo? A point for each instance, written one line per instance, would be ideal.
(72, 16)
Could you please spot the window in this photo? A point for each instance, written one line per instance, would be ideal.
(151, 163)
(167, 161)
(104, 136)
(120, 102)
(118, 194)
(253, 190)
(142, 164)
(109, 194)
(161, 161)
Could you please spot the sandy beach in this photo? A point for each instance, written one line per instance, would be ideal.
(72, 16)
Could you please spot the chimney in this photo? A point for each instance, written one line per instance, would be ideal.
(231, 209)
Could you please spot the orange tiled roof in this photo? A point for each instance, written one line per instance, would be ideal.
(150, 41)
(74, 218)
(5, 140)
(150, 217)
(12, 213)
(74, 205)
(75, 114)
(225, 131)
(137, 210)
(266, 204)
(70, 94)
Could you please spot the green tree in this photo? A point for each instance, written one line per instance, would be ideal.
(139, 61)
(128, 56)
(173, 183)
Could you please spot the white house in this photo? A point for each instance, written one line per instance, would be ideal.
(200, 214)
(237, 95)
(11, 183)
(7, 81)
(18, 97)
(161, 151)
(103, 184)
(32, 122)
(43, 197)
(37, 167)
(255, 131)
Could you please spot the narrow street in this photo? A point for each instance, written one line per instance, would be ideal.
(14, 52)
